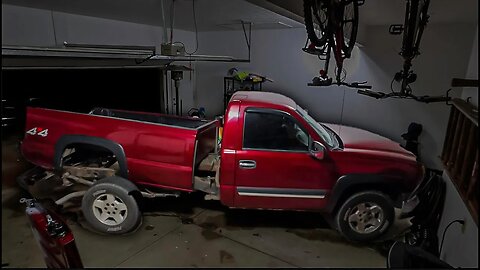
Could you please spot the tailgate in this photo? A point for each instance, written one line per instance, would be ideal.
(53, 237)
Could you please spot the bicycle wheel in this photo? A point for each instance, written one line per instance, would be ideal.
(422, 23)
(349, 26)
(316, 13)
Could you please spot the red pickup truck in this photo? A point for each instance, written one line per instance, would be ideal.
(270, 155)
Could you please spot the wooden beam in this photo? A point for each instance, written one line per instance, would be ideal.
(467, 109)
(457, 82)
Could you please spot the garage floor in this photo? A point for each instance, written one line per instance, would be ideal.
(190, 232)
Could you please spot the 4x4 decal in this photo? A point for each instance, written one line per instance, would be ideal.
(38, 131)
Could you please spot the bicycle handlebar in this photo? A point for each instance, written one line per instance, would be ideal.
(329, 82)
(358, 85)
(376, 95)
(426, 99)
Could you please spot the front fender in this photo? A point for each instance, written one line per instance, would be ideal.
(348, 184)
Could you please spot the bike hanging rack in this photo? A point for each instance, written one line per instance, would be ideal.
(332, 29)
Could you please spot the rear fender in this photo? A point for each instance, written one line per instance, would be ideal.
(112, 146)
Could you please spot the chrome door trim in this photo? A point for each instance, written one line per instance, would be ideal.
(282, 192)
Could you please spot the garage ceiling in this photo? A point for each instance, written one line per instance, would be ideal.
(211, 14)
(214, 15)
(385, 12)
(381, 12)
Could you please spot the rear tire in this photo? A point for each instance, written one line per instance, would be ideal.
(108, 208)
(349, 29)
(311, 12)
(365, 216)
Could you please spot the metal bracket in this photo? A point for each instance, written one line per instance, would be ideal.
(448, 97)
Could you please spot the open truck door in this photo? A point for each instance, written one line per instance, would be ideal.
(53, 236)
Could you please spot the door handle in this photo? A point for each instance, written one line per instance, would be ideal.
(247, 164)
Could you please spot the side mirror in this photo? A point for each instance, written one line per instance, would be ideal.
(317, 150)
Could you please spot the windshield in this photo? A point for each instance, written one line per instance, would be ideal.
(324, 134)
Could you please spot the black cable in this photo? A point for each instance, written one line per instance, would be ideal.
(196, 30)
(445, 230)
(245, 33)
(172, 15)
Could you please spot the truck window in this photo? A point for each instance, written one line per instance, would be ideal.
(273, 131)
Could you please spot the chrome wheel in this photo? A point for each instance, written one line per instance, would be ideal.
(365, 217)
(109, 209)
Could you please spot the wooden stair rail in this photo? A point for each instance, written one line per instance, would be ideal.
(460, 152)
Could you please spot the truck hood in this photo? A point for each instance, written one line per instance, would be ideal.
(355, 138)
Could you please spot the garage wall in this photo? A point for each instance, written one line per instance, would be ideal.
(35, 27)
(460, 247)
(277, 54)
(472, 72)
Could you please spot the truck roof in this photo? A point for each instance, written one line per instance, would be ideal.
(264, 97)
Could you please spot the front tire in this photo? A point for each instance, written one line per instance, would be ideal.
(108, 208)
(365, 216)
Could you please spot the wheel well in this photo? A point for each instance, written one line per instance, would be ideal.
(389, 189)
(89, 147)
(89, 155)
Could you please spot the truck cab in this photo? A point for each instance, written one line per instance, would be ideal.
(271, 157)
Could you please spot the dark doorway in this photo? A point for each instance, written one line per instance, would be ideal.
(78, 90)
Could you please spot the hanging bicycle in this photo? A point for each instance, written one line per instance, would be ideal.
(332, 28)
(416, 19)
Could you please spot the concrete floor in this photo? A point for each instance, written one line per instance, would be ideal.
(190, 232)
(187, 232)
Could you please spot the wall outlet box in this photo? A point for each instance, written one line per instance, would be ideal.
(172, 49)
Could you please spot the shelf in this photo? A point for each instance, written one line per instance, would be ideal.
(25, 57)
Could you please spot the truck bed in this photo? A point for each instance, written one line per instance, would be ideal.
(160, 150)
(169, 120)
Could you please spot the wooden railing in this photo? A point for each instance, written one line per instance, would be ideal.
(460, 152)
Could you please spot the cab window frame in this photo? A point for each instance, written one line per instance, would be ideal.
(276, 112)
